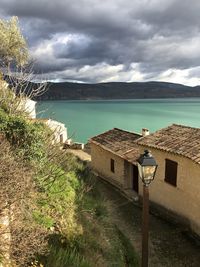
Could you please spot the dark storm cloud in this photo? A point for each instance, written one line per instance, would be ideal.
(66, 35)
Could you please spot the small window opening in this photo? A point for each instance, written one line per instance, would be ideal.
(171, 172)
(112, 165)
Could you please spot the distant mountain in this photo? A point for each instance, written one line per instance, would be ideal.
(117, 90)
(114, 90)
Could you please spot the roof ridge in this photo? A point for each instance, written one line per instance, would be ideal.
(116, 140)
(101, 133)
(185, 126)
(130, 150)
(169, 126)
(122, 130)
(182, 140)
(115, 128)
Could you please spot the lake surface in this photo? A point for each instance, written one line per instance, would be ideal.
(85, 119)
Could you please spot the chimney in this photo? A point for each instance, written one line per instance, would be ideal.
(145, 132)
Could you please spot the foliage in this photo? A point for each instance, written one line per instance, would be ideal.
(101, 242)
(57, 215)
(59, 198)
(8, 100)
(13, 47)
(64, 202)
(16, 200)
(59, 256)
(15, 68)
(130, 255)
(25, 136)
(43, 219)
(56, 203)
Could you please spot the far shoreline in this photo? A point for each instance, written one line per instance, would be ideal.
(117, 99)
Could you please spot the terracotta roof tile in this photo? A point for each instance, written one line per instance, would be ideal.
(116, 140)
(178, 139)
(132, 155)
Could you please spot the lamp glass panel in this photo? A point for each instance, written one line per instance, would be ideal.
(148, 172)
(140, 170)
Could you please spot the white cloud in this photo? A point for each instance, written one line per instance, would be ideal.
(116, 40)
(179, 76)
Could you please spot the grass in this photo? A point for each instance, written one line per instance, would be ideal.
(62, 257)
(98, 242)
(67, 203)
(130, 255)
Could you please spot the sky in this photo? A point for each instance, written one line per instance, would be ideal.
(111, 41)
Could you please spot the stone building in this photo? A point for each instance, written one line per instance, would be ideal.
(176, 187)
(28, 105)
(59, 130)
(114, 159)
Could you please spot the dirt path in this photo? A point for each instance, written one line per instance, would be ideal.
(167, 245)
(80, 154)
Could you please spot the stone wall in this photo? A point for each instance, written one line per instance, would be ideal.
(100, 163)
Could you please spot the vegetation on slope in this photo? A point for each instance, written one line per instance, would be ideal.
(59, 217)
(54, 213)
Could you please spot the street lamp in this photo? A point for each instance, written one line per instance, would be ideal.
(147, 169)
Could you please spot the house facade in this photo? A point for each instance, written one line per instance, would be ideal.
(113, 158)
(59, 130)
(176, 186)
(29, 106)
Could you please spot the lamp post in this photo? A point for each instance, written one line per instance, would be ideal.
(147, 169)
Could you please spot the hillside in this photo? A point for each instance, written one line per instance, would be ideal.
(117, 90)
(52, 211)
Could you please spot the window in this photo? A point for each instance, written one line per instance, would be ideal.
(112, 165)
(171, 172)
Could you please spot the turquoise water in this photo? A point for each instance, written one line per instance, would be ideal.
(85, 119)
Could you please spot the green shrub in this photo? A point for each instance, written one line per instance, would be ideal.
(27, 137)
(62, 257)
(42, 219)
(66, 200)
(100, 209)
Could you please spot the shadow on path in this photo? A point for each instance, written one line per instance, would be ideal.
(168, 246)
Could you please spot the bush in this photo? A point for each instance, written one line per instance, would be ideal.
(17, 198)
(27, 137)
(63, 257)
